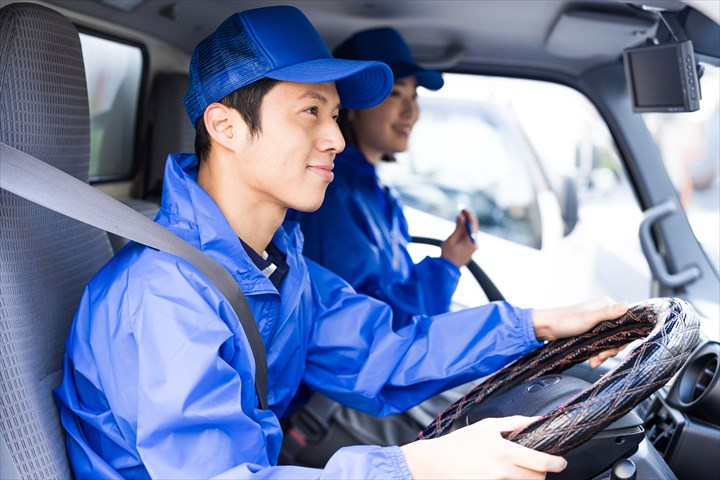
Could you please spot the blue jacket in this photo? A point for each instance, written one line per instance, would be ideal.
(158, 376)
(360, 233)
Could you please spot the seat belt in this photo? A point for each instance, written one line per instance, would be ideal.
(306, 427)
(35, 180)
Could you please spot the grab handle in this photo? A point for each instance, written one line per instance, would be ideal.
(654, 259)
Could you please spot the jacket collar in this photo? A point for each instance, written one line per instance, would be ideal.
(188, 211)
(356, 165)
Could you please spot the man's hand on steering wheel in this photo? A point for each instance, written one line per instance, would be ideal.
(480, 451)
(554, 323)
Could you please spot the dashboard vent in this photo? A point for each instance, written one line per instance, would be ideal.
(704, 376)
(696, 390)
(661, 428)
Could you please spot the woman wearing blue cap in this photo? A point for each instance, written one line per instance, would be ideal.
(360, 231)
(159, 377)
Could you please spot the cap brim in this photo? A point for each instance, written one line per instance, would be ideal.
(430, 79)
(360, 84)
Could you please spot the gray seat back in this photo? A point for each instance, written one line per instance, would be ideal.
(171, 132)
(45, 258)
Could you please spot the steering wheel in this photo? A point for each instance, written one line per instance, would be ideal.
(670, 328)
(491, 291)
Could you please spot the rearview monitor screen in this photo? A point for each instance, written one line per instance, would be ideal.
(662, 78)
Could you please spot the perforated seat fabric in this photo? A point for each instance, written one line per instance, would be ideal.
(45, 258)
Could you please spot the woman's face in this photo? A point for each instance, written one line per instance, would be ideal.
(385, 128)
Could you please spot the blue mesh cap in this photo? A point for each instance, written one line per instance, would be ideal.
(278, 43)
(387, 46)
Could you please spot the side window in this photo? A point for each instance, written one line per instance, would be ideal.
(537, 164)
(690, 147)
(114, 75)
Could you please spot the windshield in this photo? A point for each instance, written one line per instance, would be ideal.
(690, 147)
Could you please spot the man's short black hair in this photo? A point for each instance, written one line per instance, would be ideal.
(247, 101)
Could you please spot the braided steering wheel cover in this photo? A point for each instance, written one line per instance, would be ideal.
(671, 330)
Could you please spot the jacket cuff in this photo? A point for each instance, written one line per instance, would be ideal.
(399, 464)
(450, 266)
(525, 316)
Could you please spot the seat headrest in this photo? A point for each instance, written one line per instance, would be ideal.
(43, 98)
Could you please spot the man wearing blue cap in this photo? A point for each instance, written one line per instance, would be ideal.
(158, 378)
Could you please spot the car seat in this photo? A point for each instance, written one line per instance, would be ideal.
(171, 130)
(45, 258)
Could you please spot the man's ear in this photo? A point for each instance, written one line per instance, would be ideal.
(224, 125)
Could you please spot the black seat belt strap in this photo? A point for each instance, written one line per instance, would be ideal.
(35, 180)
(307, 427)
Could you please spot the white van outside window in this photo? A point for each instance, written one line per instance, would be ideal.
(537, 163)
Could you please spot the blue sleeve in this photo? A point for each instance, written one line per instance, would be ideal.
(358, 358)
(161, 384)
(347, 236)
(349, 462)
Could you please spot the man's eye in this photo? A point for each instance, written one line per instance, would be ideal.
(312, 111)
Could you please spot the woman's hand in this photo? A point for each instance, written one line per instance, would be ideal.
(563, 322)
(479, 451)
(460, 245)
